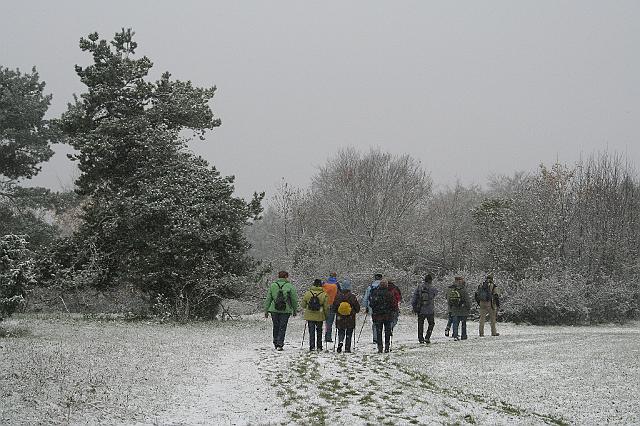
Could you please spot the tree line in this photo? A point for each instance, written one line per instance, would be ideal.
(563, 240)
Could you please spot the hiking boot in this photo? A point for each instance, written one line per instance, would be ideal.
(319, 348)
(455, 338)
(279, 348)
(463, 338)
(427, 341)
(347, 351)
(421, 341)
(482, 335)
(379, 350)
(497, 334)
(339, 350)
(446, 332)
(386, 350)
(329, 340)
(312, 349)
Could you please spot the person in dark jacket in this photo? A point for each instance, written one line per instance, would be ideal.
(346, 306)
(422, 303)
(459, 306)
(381, 302)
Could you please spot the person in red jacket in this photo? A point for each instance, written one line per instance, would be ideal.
(397, 297)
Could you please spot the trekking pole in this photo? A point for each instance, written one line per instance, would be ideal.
(303, 334)
(335, 336)
(363, 323)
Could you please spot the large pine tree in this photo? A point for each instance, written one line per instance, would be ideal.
(157, 216)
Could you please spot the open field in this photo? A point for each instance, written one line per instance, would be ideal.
(65, 369)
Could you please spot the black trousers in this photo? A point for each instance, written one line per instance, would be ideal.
(348, 333)
(315, 334)
(430, 319)
(280, 322)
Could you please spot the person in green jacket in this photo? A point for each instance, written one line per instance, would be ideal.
(315, 303)
(459, 306)
(281, 303)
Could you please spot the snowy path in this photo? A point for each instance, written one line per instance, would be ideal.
(528, 375)
(366, 387)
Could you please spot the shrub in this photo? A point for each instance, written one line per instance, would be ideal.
(15, 273)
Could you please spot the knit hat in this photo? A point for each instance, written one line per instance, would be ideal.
(317, 282)
(345, 284)
(332, 280)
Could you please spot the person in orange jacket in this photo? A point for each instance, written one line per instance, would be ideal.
(330, 287)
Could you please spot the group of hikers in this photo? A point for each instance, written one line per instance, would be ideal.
(332, 301)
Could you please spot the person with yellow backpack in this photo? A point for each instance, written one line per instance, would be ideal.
(346, 307)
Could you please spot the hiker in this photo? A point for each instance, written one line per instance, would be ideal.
(459, 305)
(422, 303)
(397, 297)
(331, 288)
(449, 316)
(281, 303)
(315, 303)
(381, 303)
(488, 297)
(346, 307)
(365, 302)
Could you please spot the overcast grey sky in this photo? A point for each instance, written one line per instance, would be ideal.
(469, 88)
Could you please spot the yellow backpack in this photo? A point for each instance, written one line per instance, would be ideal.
(344, 309)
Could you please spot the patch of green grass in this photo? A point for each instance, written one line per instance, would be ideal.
(469, 419)
(7, 331)
(325, 395)
(367, 399)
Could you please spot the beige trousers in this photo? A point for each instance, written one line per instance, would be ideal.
(486, 308)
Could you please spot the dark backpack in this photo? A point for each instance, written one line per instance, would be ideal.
(455, 298)
(281, 302)
(483, 294)
(380, 300)
(314, 303)
(426, 296)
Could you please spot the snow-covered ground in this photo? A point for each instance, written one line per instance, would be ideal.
(83, 371)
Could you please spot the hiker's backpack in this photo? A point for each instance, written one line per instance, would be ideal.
(380, 300)
(314, 302)
(426, 296)
(280, 302)
(455, 298)
(483, 294)
(344, 309)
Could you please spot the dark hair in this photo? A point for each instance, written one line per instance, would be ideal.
(283, 274)
(377, 276)
(317, 282)
(428, 278)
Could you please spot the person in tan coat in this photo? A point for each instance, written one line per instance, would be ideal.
(488, 297)
(315, 303)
